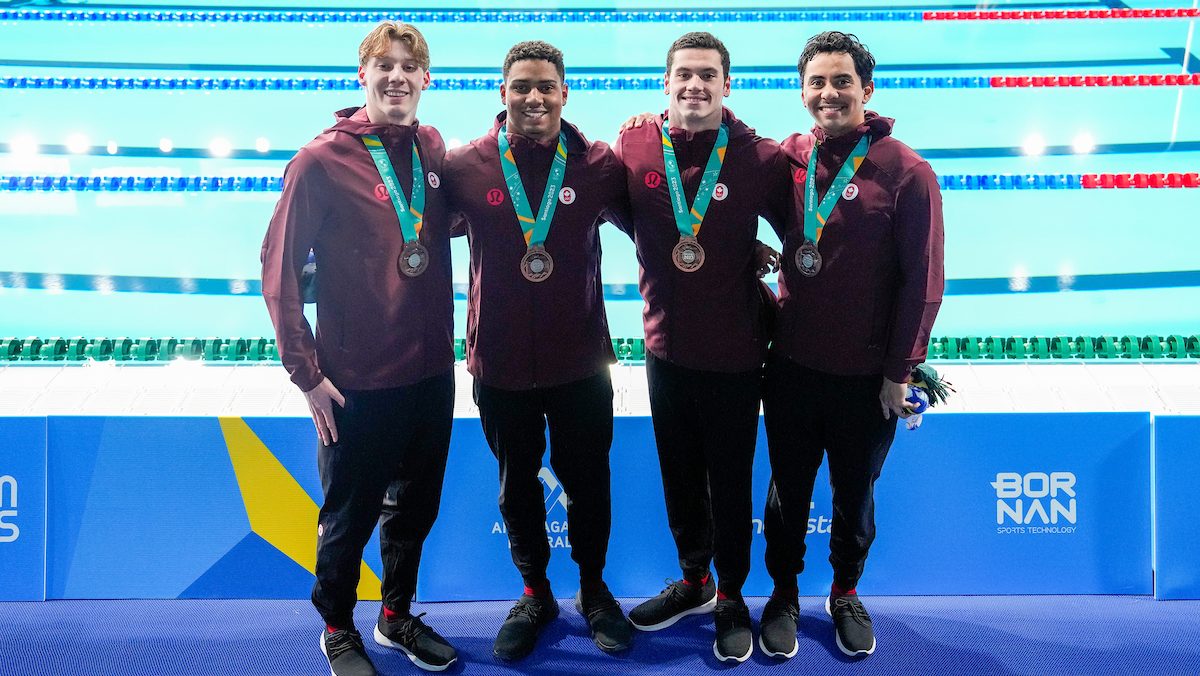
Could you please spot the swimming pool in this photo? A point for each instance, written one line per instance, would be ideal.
(232, 92)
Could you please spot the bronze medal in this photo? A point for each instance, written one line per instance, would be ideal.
(414, 259)
(536, 264)
(688, 255)
(808, 259)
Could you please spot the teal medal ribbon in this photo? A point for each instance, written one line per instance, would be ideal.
(414, 257)
(808, 258)
(536, 264)
(688, 255)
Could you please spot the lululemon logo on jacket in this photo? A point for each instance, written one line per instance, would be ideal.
(433, 179)
(495, 197)
(850, 192)
(652, 179)
(799, 175)
(566, 195)
(381, 192)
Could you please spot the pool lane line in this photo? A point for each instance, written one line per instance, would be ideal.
(928, 153)
(200, 184)
(110, 284)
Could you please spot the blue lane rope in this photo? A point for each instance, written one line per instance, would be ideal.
(465, 16)
(275, 183)
(652, 83)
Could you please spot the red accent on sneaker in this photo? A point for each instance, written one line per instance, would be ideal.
(329, 629)
(703, 581)
(721, 596)
(837, 591)
(389, 614)
(541, 590)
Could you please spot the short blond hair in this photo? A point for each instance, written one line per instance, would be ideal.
(379, 42)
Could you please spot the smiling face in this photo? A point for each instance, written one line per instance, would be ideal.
(393, 82)
(534, 96)
(834, 93)
(696, 82)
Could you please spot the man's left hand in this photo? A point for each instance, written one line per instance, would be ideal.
(766, 260)
(891, 399)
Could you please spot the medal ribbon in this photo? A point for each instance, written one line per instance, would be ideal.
(537, 229)
(688, 221)
(815, 214)
(411, 218)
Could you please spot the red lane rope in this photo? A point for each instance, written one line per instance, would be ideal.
(1191, 180)
(1182, 79)
(1044, 15)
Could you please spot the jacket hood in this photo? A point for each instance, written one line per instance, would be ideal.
(354, 121)
(735, 126)
(875, 124)
(576, 143)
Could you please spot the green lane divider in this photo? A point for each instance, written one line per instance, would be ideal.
(628, 350)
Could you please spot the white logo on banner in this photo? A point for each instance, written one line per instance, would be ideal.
(816, 524)
(1035, 503)
(9, 532)
(556, 512)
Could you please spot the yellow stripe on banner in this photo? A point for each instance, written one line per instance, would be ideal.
(697, 216)
(509, 155)
(372, 142)
(279, 510)
(858, 162)
(721, 153)
(528, 237)
(820, 219)
(526, 219)
(668, 142)
(562, 152)
(819, 231)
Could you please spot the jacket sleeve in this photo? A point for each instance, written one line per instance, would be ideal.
(919, 240)
(619, 212)
(783, 208)
(453, 178)
(290, 236)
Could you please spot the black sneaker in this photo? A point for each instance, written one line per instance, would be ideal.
(852, 625)
(610, 630)
(734, 641)
(777, 630)
(518, 635)
(677, 601)
(347, 657)
(423, 646)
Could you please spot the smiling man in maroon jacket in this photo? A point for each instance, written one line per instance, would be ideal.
(534, 192)
(860, 286)
(697, 194)
(364, 195)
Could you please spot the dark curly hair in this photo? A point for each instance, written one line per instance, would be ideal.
(841, 43)
(535, 49)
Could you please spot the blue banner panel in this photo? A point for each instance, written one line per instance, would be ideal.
(1037, 503)
(1176, 528)
(23, 509)
(185, 508)
(968, 504)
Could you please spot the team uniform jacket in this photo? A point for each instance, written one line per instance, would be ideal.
(712, 319)
(871, 307)
(376, 328)
(522, 334)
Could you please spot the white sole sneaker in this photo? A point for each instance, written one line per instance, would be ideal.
(388, 643)
(846, 651)
(706, 607)
(783, 656)
(733, 658)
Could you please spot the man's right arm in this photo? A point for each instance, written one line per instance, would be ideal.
(290, 236)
